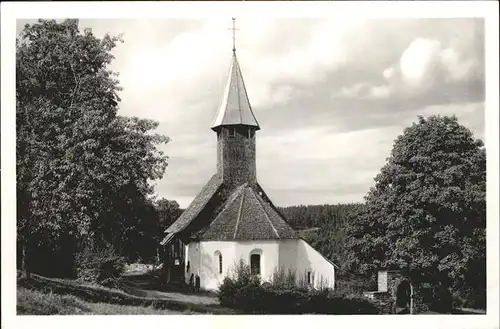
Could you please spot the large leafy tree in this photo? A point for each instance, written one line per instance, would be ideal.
(168, 212)
(83, 172)
(426, 214)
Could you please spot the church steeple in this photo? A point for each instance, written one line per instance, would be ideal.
(235, 108)
(235, 125)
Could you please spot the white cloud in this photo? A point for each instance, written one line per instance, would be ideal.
(423, 65)
(363, 91)
(426, 63)
(355, 91)
(457, 67)
(419, 63)
(381, 91)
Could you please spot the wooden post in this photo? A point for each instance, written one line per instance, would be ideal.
(411, 298)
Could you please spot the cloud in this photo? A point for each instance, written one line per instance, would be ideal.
(458, 68)
(419, 63)
(363, 91)
(426, 64)
(423, 66)
(380, 92)
(425, 61)
(330, 95)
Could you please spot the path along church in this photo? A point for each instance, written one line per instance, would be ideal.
(232, 218)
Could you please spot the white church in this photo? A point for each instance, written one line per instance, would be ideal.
(232, 218)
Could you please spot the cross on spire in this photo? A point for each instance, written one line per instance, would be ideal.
(234, 34)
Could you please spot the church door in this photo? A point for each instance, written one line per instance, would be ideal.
(175, 262)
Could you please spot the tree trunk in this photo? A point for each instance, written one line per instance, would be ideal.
(25, 261)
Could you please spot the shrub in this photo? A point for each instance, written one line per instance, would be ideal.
(282, 279)
(355, 284)
(468, 297)
(239, 278)
(442, 300)
(283, 295)
(100, 264)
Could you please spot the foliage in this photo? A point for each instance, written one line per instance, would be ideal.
(232, 284)
(303, 216)
(285, 295)
(329, 236)
(352, 284)
(83, 172)
(267, 299)
(284, 279)
(100, 265)
(426, 214)
(168, 212)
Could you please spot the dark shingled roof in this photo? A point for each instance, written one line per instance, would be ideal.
(222, 229)
(246, 214)
(198, 204)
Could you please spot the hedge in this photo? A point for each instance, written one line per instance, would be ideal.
(250, 295)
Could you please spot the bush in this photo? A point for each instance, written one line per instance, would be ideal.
(282, 279)
(467, 297)
(228, 292)
(442, 300)
(355, 284)
(284, 296)
(100, 264)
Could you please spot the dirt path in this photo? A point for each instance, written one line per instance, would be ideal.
(150, 286)
(177, 296)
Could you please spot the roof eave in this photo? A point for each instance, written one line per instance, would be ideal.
(217, 126)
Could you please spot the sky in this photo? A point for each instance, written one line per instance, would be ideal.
(330, 96)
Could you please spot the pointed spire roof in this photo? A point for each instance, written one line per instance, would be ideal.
(235, 108)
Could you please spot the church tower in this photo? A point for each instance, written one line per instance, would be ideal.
(235, 125)
(232, 219)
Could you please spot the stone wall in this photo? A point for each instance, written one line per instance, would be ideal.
(393, 279)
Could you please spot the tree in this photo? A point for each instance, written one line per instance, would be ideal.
(84, 172)
(426, 214)
(168, 212)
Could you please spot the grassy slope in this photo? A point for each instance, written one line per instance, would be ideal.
(39, 303)
(83, 298)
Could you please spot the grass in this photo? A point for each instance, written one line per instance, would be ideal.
(34, 302)
(74, 297)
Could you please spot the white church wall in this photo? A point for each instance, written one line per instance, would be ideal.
(269, 251)
(192, 251)
(288, 255)
(308, 259)
(210, 278)
(297, 255)
(204, 262)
